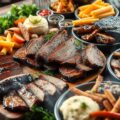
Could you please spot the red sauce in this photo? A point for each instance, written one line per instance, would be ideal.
(45, 12)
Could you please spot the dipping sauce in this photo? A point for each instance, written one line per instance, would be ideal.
(44, 12)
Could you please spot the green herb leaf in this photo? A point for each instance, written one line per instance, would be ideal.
(49, 36)
(50, 72)
(84, 106)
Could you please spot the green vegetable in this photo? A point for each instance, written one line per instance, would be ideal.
(15, 13)
(84, 106)
(79, 45)
(49, 36)
(50, 72)
(38, 113)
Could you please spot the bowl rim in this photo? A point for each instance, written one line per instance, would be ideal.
(97, 44)
(56, 112)
(109, 65)
(115, 8)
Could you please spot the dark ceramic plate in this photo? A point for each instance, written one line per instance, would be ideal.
(68, 94)
(112, 74)
(77, 10)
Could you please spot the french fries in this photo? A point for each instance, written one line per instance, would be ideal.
(92, 12)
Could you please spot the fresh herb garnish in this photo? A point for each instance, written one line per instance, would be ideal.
(38, 113)
(49, 36)
(15, 13)
(50, 72)
(79, 44)
(84, 105)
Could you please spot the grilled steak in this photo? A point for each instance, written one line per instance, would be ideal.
(84, 29)
(71, 73)
(117, 72)
(115, 63)
(93, 57)
(61, 85)
(105, 39)
(14, 82)
(24, 32)
(20, 55)
(13, 102)
(34, 46)
(48, 47)
(36, 91)
(28, 97)
(63, 52)
(46, 86)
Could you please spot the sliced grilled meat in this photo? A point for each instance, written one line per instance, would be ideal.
(14, 103)
(84, 29)
(48, 47)
(34, 46)
(117, 72)
(116, 54)
(115, 63)
(90, 37)
(28, 97)
(70, 73)
(46, 86)
(83, 67)
(20, 55)
(24, 32)
(14, 82)
(63, 52)
(36, 91)
(105, 39)
(93, 57)
(73, 60)
(61, 85)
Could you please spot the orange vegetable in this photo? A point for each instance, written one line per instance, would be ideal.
(20, 20)
(17, 38)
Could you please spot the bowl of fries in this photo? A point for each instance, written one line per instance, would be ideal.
(98, 10)
(105, 94)
(112, 63)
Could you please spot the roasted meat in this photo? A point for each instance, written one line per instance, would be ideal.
(50, 46)
(14, 103)
(84, 29)
(92, 57)
(115, 63)
(24, 32)
(36, 91)
(63, 52)
(105, 39)
(28, 97)
(71, 73)
(46, 86)
(14, 82)
(61, 85)
(34, 45)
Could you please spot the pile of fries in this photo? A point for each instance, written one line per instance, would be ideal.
(63, 6)
(107, 100)
(93, 12)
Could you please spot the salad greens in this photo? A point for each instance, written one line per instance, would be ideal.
(38, 113)
(15, 13)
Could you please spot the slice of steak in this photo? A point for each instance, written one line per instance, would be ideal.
(115, 63)
(83, 67)
(117, 72)
(20, 55)
(63, 52)
(34, 45)
(105, 39)
(14, 82)
(73, 60)
(70, 73)
(84, 29)
(14, 103)
(24, 32)
(93, 57)
(46, 86)
(50, 46)
(28, 97)
(60, 84)
(36, 91)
